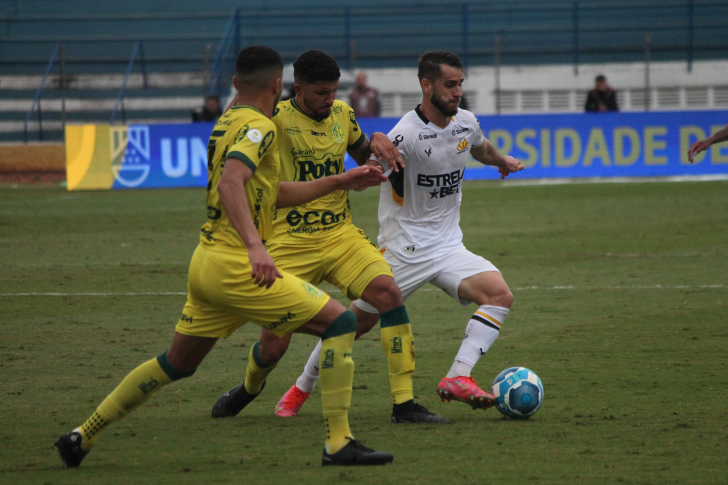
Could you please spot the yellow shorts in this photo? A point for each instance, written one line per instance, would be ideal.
(346, 259)
(222, 296)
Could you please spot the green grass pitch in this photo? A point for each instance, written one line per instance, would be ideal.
(621, 306)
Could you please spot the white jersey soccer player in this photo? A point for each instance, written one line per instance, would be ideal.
(420, 235)
(419, 215)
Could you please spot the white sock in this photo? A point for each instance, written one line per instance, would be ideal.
(310, 375)
(482, 330)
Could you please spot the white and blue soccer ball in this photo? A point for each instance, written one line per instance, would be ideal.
(518, 392)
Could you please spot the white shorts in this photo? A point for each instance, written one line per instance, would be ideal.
(445, 273)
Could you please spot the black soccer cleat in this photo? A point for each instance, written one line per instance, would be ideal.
(233, 401)
(356, 454)
(69, 449)
(411, 412)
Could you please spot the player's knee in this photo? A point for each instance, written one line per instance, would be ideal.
(503, 299)
(384, 296)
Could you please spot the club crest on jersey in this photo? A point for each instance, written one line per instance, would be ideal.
(463, 145)
(337, 133)
(312, 290)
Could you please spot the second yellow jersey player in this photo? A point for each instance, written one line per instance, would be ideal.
(317, 241)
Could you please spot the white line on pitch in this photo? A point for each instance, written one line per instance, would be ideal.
(336, 290)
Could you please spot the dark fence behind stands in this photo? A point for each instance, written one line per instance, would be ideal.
(530, 32)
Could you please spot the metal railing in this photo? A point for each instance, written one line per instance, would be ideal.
(58, 51)
(222, 63)
(138, 48)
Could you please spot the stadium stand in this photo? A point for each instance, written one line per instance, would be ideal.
(181, 38)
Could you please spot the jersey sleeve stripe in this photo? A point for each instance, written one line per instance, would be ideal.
(243, 158)
(357, 143)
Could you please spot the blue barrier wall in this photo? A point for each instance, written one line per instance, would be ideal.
(550, 146)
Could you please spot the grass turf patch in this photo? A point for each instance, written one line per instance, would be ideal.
(620, 307)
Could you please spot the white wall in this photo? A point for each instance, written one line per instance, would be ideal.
(540, 89)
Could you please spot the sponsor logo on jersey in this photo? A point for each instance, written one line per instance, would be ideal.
(427, 136)
(325, 218)
(458, 131)
(255, 135)
(298, 153)
(336, 110)
(409, 249)
(314, 169)
(317, 133)
(186, 318)
(257, 206)
(443, 184)
(337, 133)
(397, 140)
(280, 321)
(293, 130)
(463, 145)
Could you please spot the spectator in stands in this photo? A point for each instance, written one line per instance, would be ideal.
(602, 97)
(702, 145)
(210, 112)
(364, 99)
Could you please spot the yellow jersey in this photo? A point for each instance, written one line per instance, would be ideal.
(311, 148)
(245, 133)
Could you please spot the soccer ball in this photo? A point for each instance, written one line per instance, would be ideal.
(518, 392)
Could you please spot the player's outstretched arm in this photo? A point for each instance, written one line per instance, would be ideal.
(382, 148)
(488, 155)
(702, 145)
(291, 194)
(232, 195)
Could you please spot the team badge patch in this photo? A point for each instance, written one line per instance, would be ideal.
(463, 145)
(337, 133)
(312, 290)
(255, 135)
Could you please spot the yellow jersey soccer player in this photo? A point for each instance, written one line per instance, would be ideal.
(232, 279)
(317, 241)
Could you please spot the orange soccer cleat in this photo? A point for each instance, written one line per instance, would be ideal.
(291, 402)
(464, 389)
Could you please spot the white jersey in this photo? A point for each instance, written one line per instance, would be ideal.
(419, 206)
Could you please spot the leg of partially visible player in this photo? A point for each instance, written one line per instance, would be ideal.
(494, 299)
(180, 361)
(337, 329)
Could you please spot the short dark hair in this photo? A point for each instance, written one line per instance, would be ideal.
(430, 62)
(314, 66)
(600, 78)
(252, 62)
